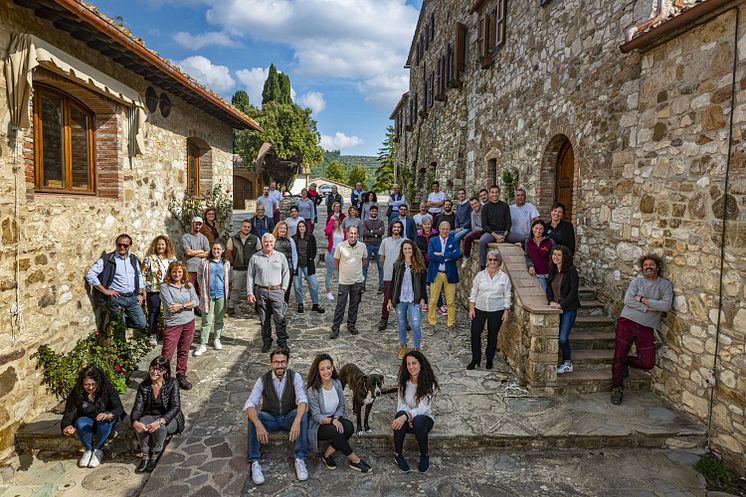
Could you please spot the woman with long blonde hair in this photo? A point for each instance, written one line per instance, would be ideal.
(159, 257)
(286, 246)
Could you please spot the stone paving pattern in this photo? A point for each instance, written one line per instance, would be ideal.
(476, 409)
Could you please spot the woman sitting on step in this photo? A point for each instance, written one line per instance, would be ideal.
(156, 412)
(326, 421)
(417, 387)
(93, 407)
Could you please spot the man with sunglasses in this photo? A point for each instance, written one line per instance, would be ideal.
(283, 401)
(118, 285)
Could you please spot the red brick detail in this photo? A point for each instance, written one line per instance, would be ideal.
(545, 193)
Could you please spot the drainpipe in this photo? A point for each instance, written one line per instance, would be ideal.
(724, 219)
(660, 14)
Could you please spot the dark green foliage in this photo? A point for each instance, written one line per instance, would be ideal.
(358, 172)
(347, 162)
(116, 357)
(714, 471)
(271, 90)
(335, 172)
(385, 171)
(241, 102)
(284, 96)
(510, 181)
(184, 210)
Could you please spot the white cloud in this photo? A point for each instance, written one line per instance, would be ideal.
(365, 41)
(195, 42)
(314, 100)
(253, 80)
(340, 141)
(202, 69)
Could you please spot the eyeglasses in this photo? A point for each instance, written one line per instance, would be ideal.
(492, 259)
(279, 363)
(125, 245)
(156, 369)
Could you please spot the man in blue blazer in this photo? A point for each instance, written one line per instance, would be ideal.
(410, 227)
(443, 251)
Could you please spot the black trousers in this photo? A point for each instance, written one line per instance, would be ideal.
(494, 320)
(421, 426)
(340, 441)
(290, 286)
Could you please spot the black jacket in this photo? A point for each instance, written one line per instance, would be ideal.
(171, 401)
(107, 400)
(496, 217)
(563, 234)
(569, 299)
(418, 284)
(310, 255)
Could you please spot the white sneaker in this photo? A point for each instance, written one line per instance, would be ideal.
(96, 458)
(217, 344)
(565, 368)
(300, 469)
(200, 350)
(430, 330)
(330, 296)
(153, 341)
(257, 476)
(83, 463)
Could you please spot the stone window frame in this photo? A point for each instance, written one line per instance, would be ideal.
(68, 103)
(107, 178)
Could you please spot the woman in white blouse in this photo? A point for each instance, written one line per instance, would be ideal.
(489, 302)
(417, 387)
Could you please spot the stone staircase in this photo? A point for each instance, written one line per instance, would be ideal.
(592, 345)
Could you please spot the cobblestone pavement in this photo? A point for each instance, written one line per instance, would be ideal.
(485, 428)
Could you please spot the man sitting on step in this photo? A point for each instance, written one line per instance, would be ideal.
(284, 405)
(649, 295)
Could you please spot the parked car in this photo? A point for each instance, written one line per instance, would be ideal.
(325, 190)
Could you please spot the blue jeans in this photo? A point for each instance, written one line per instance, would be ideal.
(274, 423)
(413, 309)
(543, 281)
(84, 427)
(134, 317)
(329, 260)
(313, 286)
(458, 236)
(567, 320)
(373, 251)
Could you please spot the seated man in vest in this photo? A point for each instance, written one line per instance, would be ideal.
(283, 407)
(118, 285)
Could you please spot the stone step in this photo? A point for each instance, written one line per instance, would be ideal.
(592, 340)
(591, 308)
(594, 323)
(587, 293)
(587, 380)
(595, 357)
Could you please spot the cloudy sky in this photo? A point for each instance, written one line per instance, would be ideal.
(345, 58)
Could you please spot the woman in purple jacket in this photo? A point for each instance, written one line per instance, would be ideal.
(539, 252)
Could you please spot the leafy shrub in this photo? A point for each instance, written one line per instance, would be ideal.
(117, 359)
(185, 209)
(713, 470)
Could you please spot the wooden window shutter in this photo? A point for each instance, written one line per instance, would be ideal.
(500, 29)
(460, 58)
(491, 34)
(432, 27)
(481, 38)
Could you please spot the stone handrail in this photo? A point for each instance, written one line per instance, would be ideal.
(529, 338)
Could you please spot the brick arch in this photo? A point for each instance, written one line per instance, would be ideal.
(546, 191)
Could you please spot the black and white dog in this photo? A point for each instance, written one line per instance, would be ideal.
(365, 389)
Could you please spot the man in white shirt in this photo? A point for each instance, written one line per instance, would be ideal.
(435, 200)
(389, 252)
(522, 214)
(277, 197)
(350, 257)
(270, 204)
(293, 221)
(423, 212)
(283, 407)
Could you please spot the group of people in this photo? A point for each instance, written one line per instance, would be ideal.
(418, 270)
(313, 413)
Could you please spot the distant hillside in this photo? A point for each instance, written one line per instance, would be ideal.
(371, 164)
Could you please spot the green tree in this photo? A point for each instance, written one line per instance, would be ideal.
(271, 90)
(241, 102)
(357, 173)
(285, 94)
(385, 172)
(335, 172)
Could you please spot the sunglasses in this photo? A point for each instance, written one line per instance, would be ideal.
(125, 245)
(492, 259)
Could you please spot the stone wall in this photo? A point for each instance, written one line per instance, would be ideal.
(649, 132)
(55, 238)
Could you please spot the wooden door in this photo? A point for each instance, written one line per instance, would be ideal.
(564, 179)
(243, 190)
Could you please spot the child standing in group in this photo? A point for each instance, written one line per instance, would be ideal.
(213, 275)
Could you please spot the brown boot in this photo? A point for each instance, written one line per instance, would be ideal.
(402, 351)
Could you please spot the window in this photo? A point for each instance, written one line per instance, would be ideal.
(491, 33)
(492, 171)
(432, 27)
(429, 90)
(458, 66)
(441, 78)
(192, 168)
(412, 114)
(63, 143)
(500, 24)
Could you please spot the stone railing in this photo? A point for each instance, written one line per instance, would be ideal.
(529, 338)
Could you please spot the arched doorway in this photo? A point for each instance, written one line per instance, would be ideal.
(564, 177)
(243, 190)
(557, 176)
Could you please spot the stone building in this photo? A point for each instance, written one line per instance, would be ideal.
(631, 113)
(97, 133)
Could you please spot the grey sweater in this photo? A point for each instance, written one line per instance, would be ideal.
(659, 293)
(172, 295)
(316, 408)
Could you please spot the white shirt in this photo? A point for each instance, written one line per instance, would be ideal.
(521, 218)
(491, 294)
(443, 242)
(390, 249)
(269, 204)
(409, 403)
(436, 197)
(331, 401)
